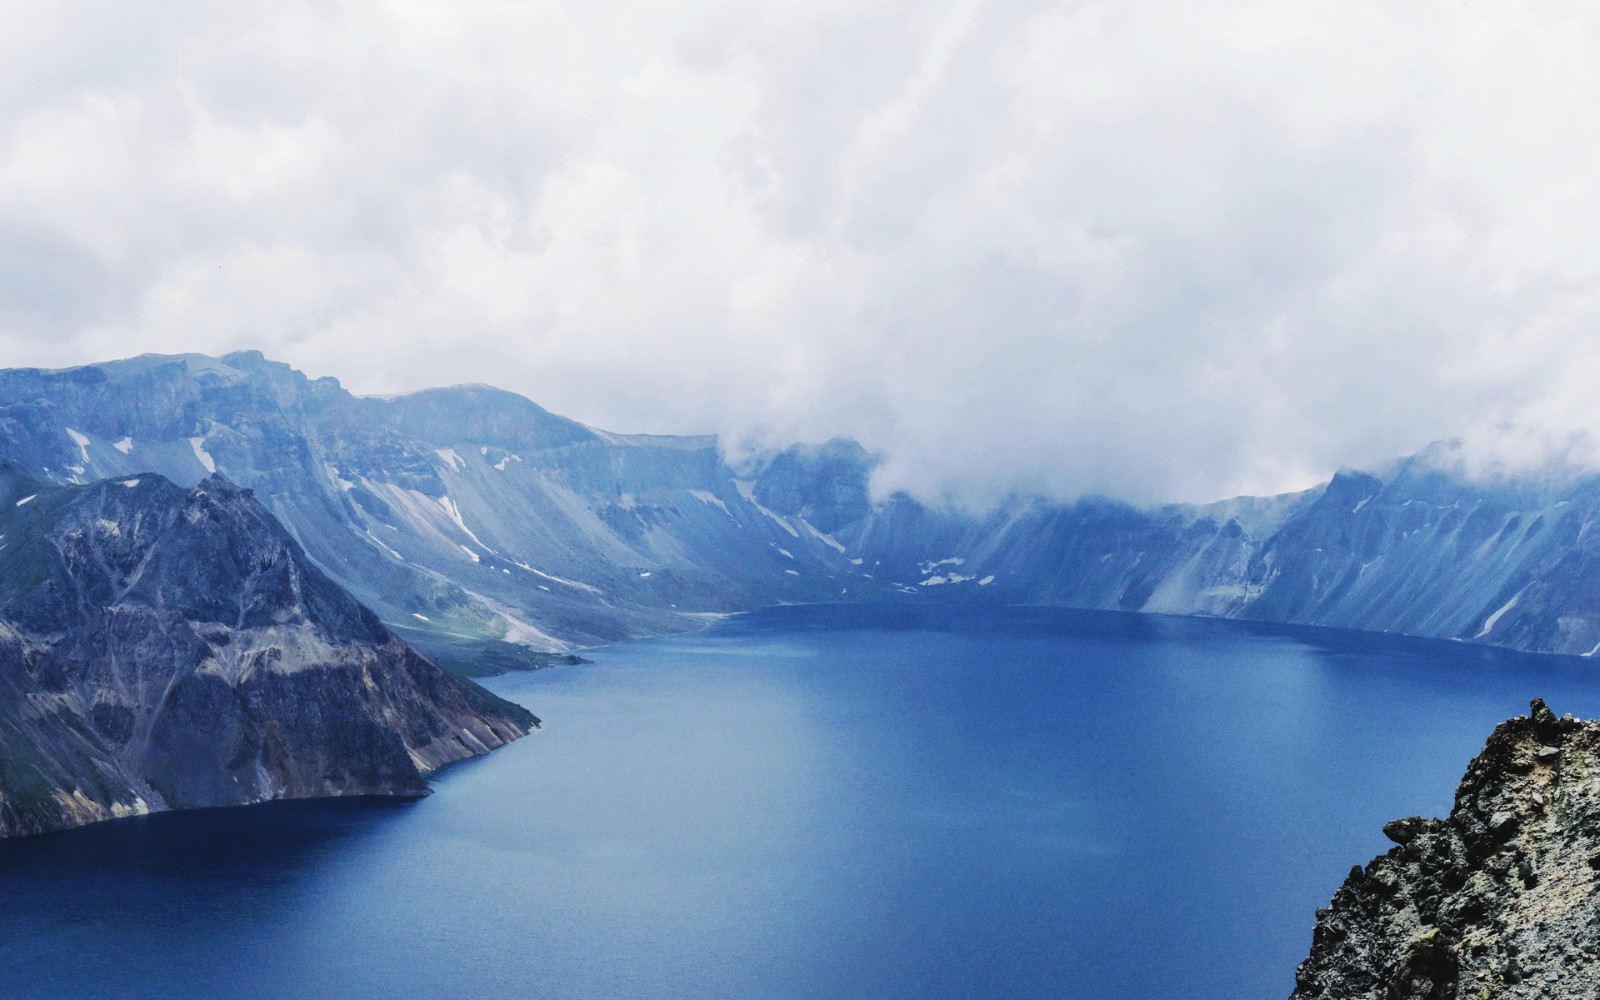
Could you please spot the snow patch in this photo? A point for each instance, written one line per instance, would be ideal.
(449, 456)
(384, 547)
(125, 445)
(560, 579)
(129, 483)
(421, 618)
(344, 484)
(792, 572)
(451, 509)
(470, 554)
(936, 581)
(711, 499)
(82, 441)
(856, 562)
(501, 465)
(26, 499)
(786, 553)
(1489, 623)
(201, 455)
(747, 489)
(644, 574)
(823, 537)
(986, 580)
(929, 567)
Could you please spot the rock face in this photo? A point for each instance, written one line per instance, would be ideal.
(1502, 899)
(163, 647)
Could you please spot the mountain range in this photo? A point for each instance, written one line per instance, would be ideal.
(490, 532)
(223, 582)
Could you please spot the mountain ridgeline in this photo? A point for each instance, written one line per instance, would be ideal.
(489, 531)
(165, 647)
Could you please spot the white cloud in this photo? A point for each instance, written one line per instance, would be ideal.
(1155, 249)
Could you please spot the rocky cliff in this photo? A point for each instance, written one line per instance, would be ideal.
(164, 647)
(1500, 899)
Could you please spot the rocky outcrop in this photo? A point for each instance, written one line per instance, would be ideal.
(164, 648)
(1500, 899)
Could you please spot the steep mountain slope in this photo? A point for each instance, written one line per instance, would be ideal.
(465, 513)
(163, 647)
(469, 517)
(1498, 900)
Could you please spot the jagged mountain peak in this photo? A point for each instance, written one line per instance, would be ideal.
(209, 553)
(164, 646)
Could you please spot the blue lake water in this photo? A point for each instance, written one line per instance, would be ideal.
(832, 802)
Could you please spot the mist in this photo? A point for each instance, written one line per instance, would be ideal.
(1151, 250)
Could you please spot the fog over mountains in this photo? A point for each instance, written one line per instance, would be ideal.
(1157, 251)
(487, 529)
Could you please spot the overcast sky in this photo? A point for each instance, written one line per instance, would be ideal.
(1158, 249)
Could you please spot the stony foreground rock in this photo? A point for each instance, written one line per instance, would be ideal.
(164, 648)
(1501, 899)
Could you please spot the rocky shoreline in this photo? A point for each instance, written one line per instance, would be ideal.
(1499, 899)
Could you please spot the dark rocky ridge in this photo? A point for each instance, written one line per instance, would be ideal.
(1500, 899)
(164, 648)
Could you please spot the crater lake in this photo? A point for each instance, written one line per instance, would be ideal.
(827, 802)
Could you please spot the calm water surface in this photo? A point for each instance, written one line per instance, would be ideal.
(817, 802)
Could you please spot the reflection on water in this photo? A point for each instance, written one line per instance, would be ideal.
(817, 802)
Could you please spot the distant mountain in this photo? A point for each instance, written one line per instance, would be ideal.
(1418, 550)
(486, 529)
(165, 647)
